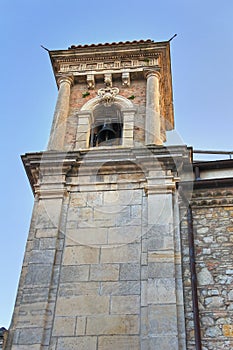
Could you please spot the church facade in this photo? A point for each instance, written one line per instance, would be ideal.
(130, 243)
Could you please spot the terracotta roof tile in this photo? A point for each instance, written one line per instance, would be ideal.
(72, 47)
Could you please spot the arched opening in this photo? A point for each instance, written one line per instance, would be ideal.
(106, 129)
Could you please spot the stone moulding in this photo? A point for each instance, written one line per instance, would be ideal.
(57, 165)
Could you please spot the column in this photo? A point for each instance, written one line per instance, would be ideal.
(57, 135)
(152, 125)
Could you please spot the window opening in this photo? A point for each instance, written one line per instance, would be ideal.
(107, 127)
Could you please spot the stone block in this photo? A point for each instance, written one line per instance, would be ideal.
(45, 233)
(119, 342)
(77, 343)
(78, 199)
(124, 235)
(64, 326)
(33, 294)
(104, 272)
(162, 320)
(38, 274)
(81, 288)
(82, 305)
(80, 326)
(120, 288)
(161, 343)
(48, 243)
(74, 273)
(161, 291)
(86, 236)
(129, 304)
(30, 336)
(130, 272)
(42, 256)
(160, 270)
(125, 253)
(113, 324)
(94, 198)
(25, 347)
(78, 255)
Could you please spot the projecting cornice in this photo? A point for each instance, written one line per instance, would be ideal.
(129, 60)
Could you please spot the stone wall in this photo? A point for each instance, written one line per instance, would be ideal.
(213, 230)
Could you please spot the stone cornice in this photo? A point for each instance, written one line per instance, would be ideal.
(48, 169)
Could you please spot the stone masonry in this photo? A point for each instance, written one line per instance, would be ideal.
(213, 227)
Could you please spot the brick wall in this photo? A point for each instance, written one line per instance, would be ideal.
(136, 89)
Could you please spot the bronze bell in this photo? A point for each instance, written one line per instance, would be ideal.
(106, 133)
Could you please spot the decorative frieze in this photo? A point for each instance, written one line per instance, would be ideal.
(112, 65)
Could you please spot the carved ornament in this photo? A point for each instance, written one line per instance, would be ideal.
(107, 95)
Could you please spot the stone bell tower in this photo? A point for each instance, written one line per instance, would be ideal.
(102, 267)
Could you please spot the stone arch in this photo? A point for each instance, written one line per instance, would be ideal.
(119, 100)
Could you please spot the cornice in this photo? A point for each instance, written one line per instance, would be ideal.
(212, 198)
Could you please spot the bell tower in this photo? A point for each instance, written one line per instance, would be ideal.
(102, 266)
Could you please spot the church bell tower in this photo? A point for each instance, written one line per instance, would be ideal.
(102, 266)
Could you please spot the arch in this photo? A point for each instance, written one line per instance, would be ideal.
(119, 100)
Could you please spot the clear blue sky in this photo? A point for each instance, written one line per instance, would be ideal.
(202, 66)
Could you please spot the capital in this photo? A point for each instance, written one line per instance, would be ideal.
(148, 72)
(69, 79)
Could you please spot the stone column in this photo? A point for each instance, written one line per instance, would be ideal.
(152, 125)
(57, 135)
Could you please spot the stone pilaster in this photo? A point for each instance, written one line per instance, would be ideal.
(57, 136)
(161, 284)
(153, 123)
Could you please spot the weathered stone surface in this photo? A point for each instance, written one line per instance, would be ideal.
(120, 288)
(30, 336)
(114, 324)
(77, 343)
(129, 304)
(128, 253)
(104, 272)
(130, 272)
(38, 274)
(162, 320)
(74, 273)
(161, 343)
(161, 291)
(205, 277)
(119, 342)
(86, 236)
(78, 255)
(79, 288)
(64, 326)
(82, 305)
(42, 256)
(119, 235)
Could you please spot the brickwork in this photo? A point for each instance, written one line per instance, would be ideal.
(213, 228)
(136, 90)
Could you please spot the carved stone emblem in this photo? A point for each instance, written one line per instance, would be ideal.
(108, 94)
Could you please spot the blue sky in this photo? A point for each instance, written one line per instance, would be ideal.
(202, 68)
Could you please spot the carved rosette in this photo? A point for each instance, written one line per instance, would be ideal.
(107, 95)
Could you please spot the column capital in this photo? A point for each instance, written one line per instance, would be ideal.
(68, 78)
(151, 72)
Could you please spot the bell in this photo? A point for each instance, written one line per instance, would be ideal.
(106, 133)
